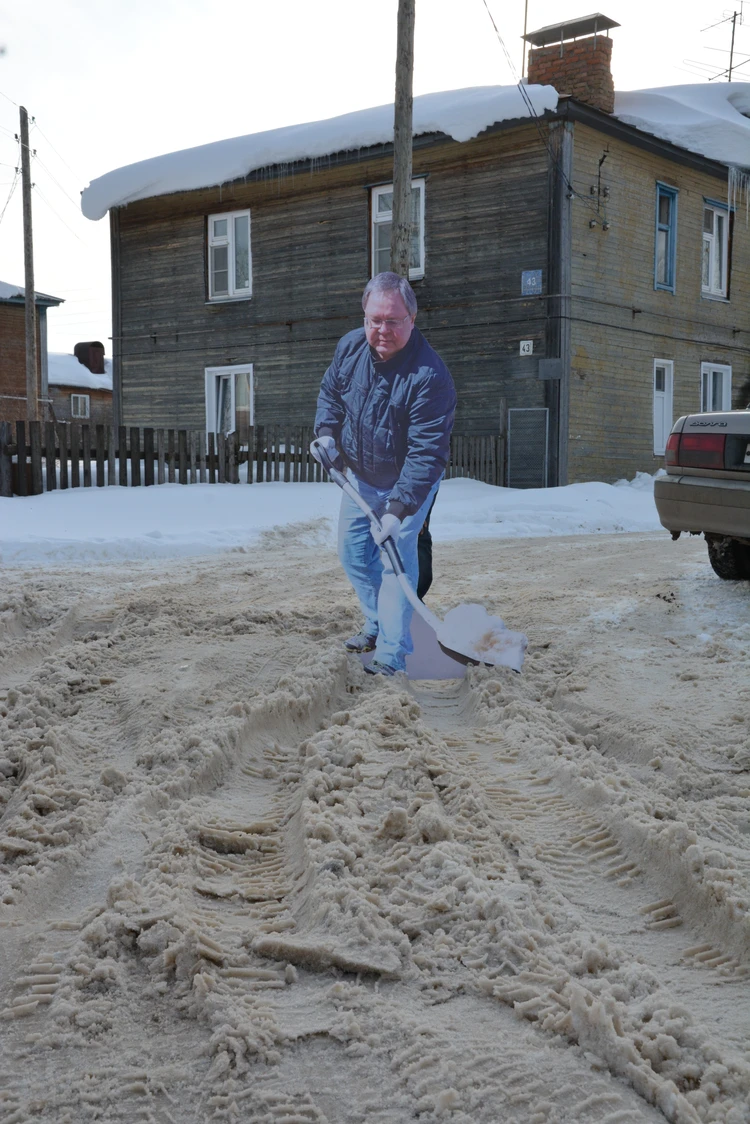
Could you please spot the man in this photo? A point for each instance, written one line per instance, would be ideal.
(385, 413)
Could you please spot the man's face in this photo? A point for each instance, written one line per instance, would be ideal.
(386, 339)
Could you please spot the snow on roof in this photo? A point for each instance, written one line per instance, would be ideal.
(65, 370)
(461, 114)
(712, 119)
(18, 293)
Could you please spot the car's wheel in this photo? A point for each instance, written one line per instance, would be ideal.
(730, 559)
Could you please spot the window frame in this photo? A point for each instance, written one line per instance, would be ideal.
(81, 398)
(212, 242)
(212, 376)
(376, 218)
(717, 208)
(660, 438)
(707, 368)
(672, 193)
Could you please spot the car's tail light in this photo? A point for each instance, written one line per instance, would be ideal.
(673, 447)
(701, 450)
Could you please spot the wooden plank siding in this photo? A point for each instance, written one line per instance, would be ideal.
(486, 220)
(620, 323)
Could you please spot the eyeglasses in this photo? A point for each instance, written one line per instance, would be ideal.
(391, 325)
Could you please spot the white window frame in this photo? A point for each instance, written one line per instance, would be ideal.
(214, 376)
(663, 405)
(77, 400)
(418, 271)
(707, 371)
(712, 241)
(217, 241)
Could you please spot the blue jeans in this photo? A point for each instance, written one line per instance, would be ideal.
(384, 604)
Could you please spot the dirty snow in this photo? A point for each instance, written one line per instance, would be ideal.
(172, 520)
(241, 881)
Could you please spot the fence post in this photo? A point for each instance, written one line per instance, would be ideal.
(202, 455)
(260, 437)
(23, 482)
(75, 455)
(161, 474)
(182, 453)
(64, 443)
(233, 449)
(211, 457)
(111, 456)
(122, 453)
(250, 453)
(192, 456)
(35, 446)
(49, 455)
(135, 457)
(171, 457)
(148, 457)
(100, 456)
(6, 461)
(221, 450)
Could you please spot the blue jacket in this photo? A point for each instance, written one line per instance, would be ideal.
(391, 421)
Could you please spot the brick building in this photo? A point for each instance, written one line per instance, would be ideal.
(13, 351)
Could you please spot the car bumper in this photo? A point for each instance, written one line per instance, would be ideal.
(697, 503)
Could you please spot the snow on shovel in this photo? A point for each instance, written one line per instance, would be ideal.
(468, 633)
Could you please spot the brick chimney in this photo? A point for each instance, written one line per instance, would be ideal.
(579, 67)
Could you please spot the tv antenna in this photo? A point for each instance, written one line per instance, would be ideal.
(734, 18)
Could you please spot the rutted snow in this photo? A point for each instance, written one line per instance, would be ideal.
(170, 520)
(240, 880)
(461, 114)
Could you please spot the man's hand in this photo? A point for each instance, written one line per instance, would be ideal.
(390, 525)
(328, 444)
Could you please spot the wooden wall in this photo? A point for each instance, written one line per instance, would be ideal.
(486, 220)
(620, 323)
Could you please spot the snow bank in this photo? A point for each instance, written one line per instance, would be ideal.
(712, 119)
(461, 114)
(172, 520)
(66, 370)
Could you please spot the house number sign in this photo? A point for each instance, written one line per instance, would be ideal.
(527, 347)
(531, 282)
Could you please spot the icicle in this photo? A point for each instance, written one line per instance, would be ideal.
(738, 190)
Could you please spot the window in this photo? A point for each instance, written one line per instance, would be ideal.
(716, 387)
(79, 405)
(714, 263)
(229, 260)
(382, 220)
(229, 400)
(666, 237)
(663, 386)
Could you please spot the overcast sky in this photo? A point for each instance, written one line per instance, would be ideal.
(111, 82)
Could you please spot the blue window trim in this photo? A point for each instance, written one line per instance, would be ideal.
(671, 193)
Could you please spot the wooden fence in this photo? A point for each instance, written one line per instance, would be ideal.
(36, 457)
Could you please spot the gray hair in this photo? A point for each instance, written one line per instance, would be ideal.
(388, 283)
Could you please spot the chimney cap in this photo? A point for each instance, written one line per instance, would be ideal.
(570, 29)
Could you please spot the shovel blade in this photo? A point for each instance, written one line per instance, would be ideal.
(470, 634)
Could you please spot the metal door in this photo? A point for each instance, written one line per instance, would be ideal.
(528, 442)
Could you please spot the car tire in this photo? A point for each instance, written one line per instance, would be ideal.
(729, 559)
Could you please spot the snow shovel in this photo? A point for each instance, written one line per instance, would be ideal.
(468, 634)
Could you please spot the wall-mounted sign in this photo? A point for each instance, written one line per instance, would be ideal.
(527, 347)
(531, 282)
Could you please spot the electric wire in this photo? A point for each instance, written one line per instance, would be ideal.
(13, 186)
(72, 171)
(41, 195)
(554, 158)
(8, 98)
(55, 181)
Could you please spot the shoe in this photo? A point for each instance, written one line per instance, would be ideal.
(378, 668)
(360, 643)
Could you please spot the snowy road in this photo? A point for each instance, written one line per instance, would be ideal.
(241, 881)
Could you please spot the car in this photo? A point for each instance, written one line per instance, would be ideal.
(706, 489)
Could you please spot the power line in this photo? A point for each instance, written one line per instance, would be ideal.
(78, 177)
(41, 194)
(49, 173)
(10, 196)
(8, 98)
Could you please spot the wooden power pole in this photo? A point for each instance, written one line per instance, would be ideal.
(401, 227)
(32, 395)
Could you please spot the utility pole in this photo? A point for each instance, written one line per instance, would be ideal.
(32, 396)
(402, 130)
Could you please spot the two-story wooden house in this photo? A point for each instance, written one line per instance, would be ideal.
(582, 272)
